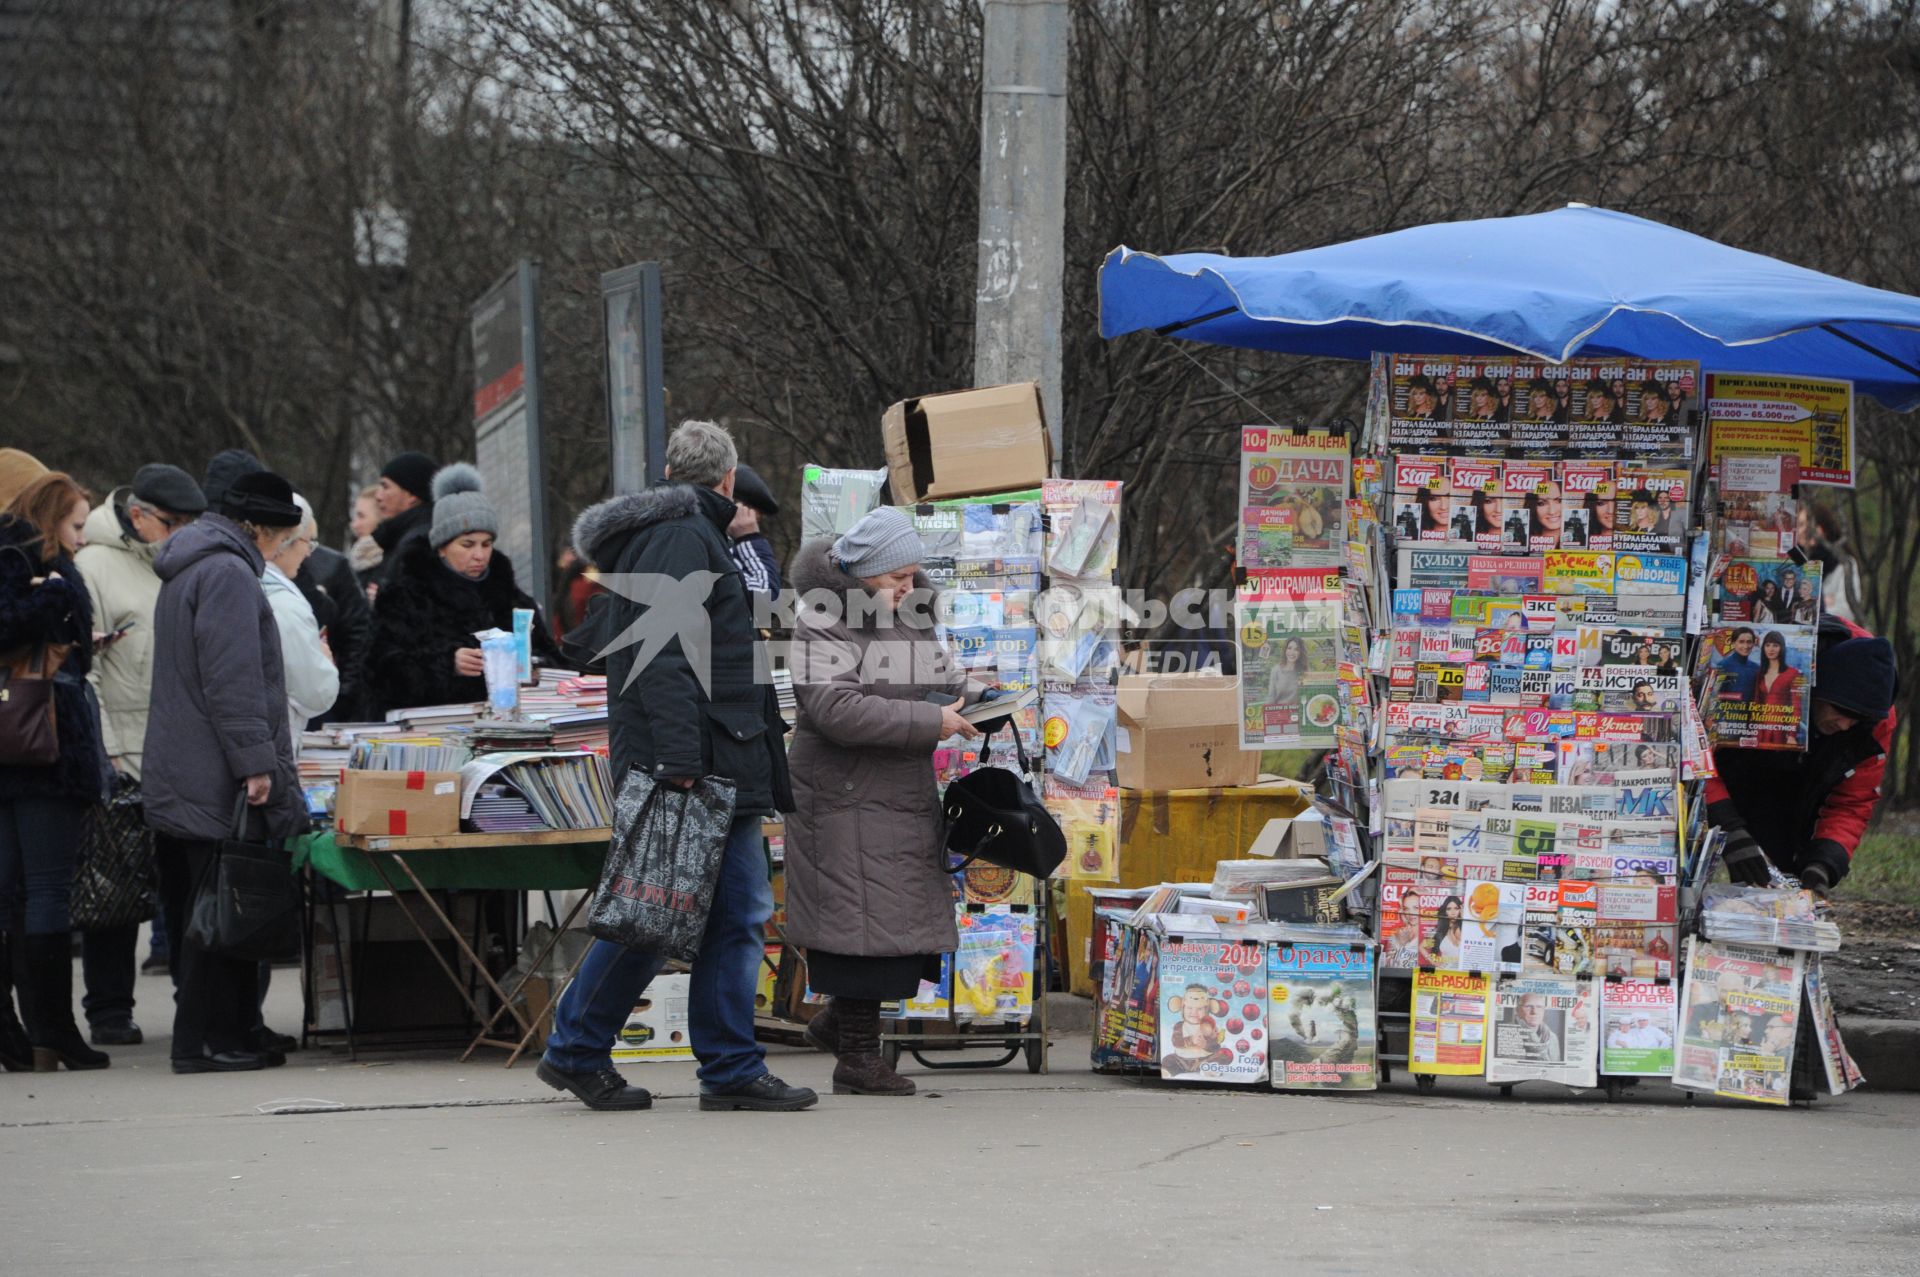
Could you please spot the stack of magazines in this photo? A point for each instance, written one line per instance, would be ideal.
(1784, 918)
(409, 754)
(499, 809)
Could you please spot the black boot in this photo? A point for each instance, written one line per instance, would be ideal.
(49, 1007)
(862, 1070)
(823, 1030)
(16, 1052)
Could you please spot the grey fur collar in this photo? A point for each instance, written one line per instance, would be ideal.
(813, 569)
(599, 525)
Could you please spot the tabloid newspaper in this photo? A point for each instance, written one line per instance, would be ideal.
(1468, 405)
(1741, 1013)
(1449, 1026)
(1543, 1031)
(1638, 1019)
(1320, 1019)
(1289, 624)
(1212, 1011)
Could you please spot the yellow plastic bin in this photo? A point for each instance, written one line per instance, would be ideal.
(1177, 835)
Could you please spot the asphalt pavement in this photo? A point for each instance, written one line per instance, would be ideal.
(421, 1165)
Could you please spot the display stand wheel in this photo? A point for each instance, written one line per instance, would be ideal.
(1506, 1091)
(1036, 1054)
(1689, 1095)
(890, 1052)
(1424, 1082)
(1613, 1089)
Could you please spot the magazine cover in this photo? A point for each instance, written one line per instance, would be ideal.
(1637, 1023)
(1588, 494)
(1289, 664)
(1212, 1017)
(1449, 1024)
(1538, 410)
(1480, 404)
(1741, 1014)
(1419, 388)
(1758, 682)
(1655, 398)
(1293, 491)
(1650, 510)
(1768, 592)
(1083, 527)
(1543, 1031)
(1321, 1017)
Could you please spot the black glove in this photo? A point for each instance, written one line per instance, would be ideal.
(1815, 878)
(1744, 860)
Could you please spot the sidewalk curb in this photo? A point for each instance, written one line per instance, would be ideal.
(1887, 1051)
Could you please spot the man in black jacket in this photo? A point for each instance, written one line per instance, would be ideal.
(326, 580)
(681, 715)
(404, 496)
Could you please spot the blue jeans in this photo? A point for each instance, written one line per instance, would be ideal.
(39, 838)
(720, 1003)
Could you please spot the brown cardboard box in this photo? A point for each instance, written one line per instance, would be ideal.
(397, 804)
(966, 443)
(1182, 731)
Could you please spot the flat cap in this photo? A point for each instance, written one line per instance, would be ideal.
(170, 488)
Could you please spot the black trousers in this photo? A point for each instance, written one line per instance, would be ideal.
(216, 1000)
(109, 961)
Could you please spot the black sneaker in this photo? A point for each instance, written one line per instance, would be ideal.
(766, 1092)
(156, 964)
(219, 1062)
(125, 1033)
(602, 1089)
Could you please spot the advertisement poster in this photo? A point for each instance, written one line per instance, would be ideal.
(1450, 1012)
(1212, 1014)
(1321, 1017)
(1807, 418)
(1637, 1023)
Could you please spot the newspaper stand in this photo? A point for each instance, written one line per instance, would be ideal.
(1013, 1040)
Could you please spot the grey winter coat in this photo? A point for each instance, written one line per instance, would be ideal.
(863, 852)
(219, 711)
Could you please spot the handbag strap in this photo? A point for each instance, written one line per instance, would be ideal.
(240, 815)
(1019, 747)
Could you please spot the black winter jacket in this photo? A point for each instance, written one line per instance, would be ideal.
(394, 536)
(669, 720)
(54, 611)
(424, 613)
(326, 578)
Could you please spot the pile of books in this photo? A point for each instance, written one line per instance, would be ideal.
(563, 791)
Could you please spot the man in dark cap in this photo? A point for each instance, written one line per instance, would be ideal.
(1806, 813)
(750, 548)
(404, 496)
(123, 534)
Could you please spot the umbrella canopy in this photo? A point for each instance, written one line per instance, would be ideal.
(1575, 282)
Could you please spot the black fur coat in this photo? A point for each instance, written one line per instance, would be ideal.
(424, 612)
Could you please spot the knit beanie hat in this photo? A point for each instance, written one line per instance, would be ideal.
(223, 470)
(883, 541)
(1857, 675)
(413, 471)
(458, 506)
(17, 470)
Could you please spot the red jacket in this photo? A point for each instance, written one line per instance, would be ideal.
(1805, 808)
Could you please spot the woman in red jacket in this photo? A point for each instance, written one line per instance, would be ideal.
(1777, 684)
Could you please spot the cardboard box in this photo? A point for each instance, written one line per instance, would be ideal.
(657, 1028)
(967, 443)
(1293, 838)
(1182, 731)
(397, 804)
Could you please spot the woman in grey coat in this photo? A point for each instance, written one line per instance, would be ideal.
(218, 728)
(868, 897)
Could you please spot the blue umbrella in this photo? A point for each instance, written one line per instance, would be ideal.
(1577, 281)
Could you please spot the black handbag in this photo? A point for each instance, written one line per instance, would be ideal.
(113, 876)
(993, 815)
(248, 902)
(29, 734)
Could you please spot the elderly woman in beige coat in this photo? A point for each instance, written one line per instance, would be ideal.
(868, 896)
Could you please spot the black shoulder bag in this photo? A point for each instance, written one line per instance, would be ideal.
(248, 903)
(993, 814)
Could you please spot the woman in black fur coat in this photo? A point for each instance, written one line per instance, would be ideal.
(441, 591)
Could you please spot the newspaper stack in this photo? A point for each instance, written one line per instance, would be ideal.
(1782, 917)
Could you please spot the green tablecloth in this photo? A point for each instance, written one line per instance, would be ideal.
(570, 866)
